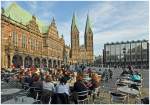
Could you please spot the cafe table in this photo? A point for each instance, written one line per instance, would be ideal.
(10, 91)
(20, 100)
(128, 91)
(128, 81)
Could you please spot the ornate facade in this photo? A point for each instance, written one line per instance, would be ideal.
(26, 41)
(84, 53)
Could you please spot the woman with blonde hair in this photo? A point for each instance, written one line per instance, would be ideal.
(48, 90)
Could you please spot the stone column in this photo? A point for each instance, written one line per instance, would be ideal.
(52, 62)
(23, 58)
(40, 62)
(3, 61)
(11, 58)
(32, 61)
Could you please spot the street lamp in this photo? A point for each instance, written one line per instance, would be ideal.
(124, 52)
(58, 63)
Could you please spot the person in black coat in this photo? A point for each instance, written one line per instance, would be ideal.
(79, 86)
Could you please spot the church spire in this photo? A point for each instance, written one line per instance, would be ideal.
(88, 24)
(53, 21)
(73, 25)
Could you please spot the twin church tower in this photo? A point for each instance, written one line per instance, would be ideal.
(84, 53)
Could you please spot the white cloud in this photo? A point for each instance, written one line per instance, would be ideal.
(6, 4)
(37, 9)
(64, 28)
(116, 26)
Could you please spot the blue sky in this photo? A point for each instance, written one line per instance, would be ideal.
(111, 20)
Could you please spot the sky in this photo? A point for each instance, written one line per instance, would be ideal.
(111, 21)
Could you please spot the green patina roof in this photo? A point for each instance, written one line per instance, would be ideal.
(73, 25)
(88, 25)
(15, 12)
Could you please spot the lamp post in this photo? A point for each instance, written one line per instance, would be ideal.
(58, 63)
(124, 52)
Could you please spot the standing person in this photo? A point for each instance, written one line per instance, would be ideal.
(110, 73)
(106, 75)
(41, 75)
(130, 71)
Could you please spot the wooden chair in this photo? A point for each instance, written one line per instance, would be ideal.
(37, 92)
(25, 86)
(34, 92)
(95, 93)
(117, 97)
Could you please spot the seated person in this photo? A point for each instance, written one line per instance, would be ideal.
(95, 82)
(47, 84)
(27, 78)
(66, 76)
(61, 95)
(36, 82)
(62, 87)
(79, 86)
(48, 89)
(136, 78)
(126, 72)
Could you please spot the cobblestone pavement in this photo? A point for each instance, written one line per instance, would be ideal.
(109, 85)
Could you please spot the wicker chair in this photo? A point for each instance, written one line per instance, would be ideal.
(117, 97)
(82, 97)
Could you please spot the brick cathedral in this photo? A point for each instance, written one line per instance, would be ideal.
(84, 53)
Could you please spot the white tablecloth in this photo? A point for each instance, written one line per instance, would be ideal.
(9, 91)
(126, 89)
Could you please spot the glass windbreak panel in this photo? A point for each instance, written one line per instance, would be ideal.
(144, 51)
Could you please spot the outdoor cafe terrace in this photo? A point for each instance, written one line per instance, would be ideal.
(27, 87)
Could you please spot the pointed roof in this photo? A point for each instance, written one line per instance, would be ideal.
(62, 36)
(17, 13)
(53, 21)
(88, 25)
(73, 25)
